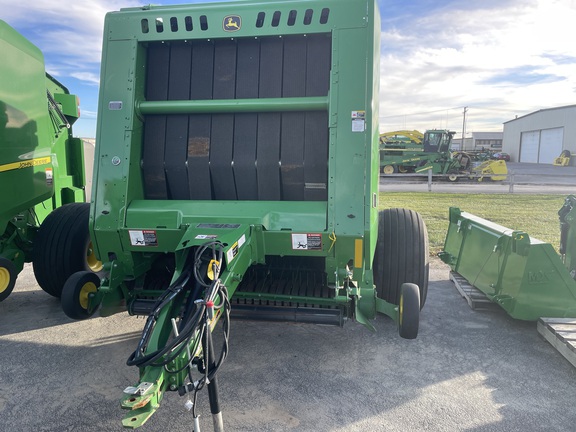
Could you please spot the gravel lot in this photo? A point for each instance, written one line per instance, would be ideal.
(467, 371)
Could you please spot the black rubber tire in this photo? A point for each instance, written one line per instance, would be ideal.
(74, 299)
(401, 254)
(60, 247)
(8, 275)
(409, 311)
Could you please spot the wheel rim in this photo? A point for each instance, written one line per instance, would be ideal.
(4, 279)
(388, 169)
(93, 263)
(402, 169)
(87, 288)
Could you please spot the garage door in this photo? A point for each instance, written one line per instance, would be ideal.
(529, 146)
(550, 145)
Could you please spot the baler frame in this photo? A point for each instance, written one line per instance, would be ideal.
(275, 176)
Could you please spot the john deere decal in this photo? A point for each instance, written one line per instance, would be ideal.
(232, 23)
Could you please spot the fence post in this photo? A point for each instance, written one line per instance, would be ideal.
(430, 180)
(511, 182)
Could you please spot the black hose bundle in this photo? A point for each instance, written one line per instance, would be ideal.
(196, 318)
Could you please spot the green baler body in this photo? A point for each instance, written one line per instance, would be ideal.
(249, 122)
(41, 164)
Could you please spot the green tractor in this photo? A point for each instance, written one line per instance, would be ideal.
(43, 217)
(411, 151)
(236, 174)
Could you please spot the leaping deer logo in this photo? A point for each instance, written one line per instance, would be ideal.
(232, 23)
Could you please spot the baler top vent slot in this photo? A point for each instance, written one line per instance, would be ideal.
(276, 21)
(292, 17)
(174, 26)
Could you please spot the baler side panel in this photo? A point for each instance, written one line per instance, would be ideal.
(25, 138)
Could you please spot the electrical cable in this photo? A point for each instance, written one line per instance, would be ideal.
(195, 316)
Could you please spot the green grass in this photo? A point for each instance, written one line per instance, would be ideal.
(537, 215)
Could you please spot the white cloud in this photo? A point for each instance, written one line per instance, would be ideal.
(68, 33)
(87, 114)
(87, 77)
(498, 61)
(498, 57)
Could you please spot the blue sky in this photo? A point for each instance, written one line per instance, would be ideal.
(499, 58)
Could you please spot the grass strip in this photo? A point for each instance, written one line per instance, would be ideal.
(537, 215)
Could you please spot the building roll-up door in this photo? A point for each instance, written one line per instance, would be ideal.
(550, 145)
(529, 144)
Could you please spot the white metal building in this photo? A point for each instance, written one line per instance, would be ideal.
(541, 136)
(480, 140)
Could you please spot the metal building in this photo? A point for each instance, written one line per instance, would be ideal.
(541, 136)
(479, 141)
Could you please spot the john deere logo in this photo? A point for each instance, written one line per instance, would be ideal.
(232, 23)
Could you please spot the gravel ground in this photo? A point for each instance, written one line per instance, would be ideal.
(467, 371)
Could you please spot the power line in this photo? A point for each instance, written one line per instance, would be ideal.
(479, 108)
(421, 113)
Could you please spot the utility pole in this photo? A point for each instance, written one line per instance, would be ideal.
(463, 128)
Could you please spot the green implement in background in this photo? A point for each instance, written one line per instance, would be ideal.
(523, 275)
(41, 169)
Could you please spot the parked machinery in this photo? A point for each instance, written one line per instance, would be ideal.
(563, 159)
(237, 169)
(404, 138)
(414, 152)
(41, 169)
(410, 151)
(520, 273)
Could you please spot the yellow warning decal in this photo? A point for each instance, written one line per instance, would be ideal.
(26, 164)
(358, 247)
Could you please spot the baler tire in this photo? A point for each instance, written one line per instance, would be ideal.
(75, 294)
(409, 311)
(62, 247)
(401, 254)
(8, 275)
